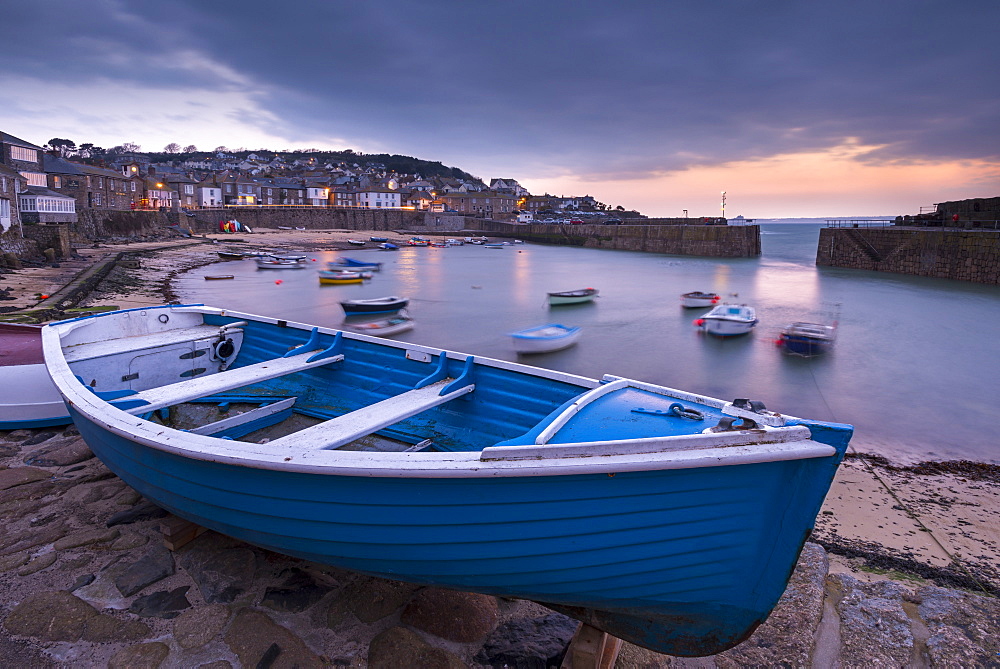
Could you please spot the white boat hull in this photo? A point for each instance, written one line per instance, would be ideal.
(545, 344)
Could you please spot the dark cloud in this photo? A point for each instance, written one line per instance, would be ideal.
(618, 88)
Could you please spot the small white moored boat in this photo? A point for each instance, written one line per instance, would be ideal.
(728, 320)
(545, 338)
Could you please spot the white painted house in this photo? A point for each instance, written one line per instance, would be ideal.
(377, 198)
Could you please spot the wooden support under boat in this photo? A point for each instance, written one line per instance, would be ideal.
(590, 648)
(177, 531)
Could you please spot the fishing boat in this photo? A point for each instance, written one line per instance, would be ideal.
(454, 242)
(381, 327)
(418, 241)
(376, 305)
(27, 397)
(472, 473)
(356, 242)
(388, 246)
(231, 255)
(281, 262)
(728, 320)
(218, 277)
(494, 245)
(335, 278)
(699, 299)
(378, 239)
(807, 339)
(353, 264)
(545, 338)
(572, 296)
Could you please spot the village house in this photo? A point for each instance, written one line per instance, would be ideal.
(419, 200)
(377, 198)
(92, 187)
(185, 188)
(208, 193)
(486, 204)
(24, 157)
(342, 196)
(238, 189)
(508, 186)
(11, 184)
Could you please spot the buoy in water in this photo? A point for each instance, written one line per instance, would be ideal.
(699, 321)
(278, 282)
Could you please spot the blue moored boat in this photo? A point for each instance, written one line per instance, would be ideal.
(354, 264)
(663, 517)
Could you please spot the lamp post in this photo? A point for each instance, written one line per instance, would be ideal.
(723, 204)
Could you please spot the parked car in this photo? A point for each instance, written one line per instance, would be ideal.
(576, 221)
(612, 221)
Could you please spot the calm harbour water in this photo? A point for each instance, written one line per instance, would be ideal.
(915, 368)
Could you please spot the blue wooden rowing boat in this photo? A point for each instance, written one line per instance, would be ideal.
(663, 517)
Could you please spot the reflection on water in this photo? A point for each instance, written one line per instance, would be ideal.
(914, 368)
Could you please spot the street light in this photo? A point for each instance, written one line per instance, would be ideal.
(723, 204)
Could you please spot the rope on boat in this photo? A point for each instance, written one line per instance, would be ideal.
(902, 505)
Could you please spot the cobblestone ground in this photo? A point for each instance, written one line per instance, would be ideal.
(86, 581)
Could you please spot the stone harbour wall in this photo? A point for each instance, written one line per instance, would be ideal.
(721, 241)
(964, 255)
(320, 218)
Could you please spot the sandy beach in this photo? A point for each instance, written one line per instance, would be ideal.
(933, 524)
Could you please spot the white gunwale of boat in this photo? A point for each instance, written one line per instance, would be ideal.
(735, 448)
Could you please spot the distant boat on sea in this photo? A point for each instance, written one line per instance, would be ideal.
(807, 339)
(572, 296)
(728, 320)
(545, 338)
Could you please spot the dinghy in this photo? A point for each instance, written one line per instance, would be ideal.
(381, 327)
(728, 320)
(27, 397)
(572, 296)
(281, 262)
(545, 338)
(336, 278)
(353, 264)
(663, 517)
(376, 305)
(699, 299)
(807, 339)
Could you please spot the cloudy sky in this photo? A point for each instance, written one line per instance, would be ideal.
(792, 107)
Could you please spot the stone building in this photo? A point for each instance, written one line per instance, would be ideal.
(485, 204)
(11, 184)
(92, 187)
(24, 157)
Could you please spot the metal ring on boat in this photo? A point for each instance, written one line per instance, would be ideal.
(679, 409)
(163, 318)
(224, 349)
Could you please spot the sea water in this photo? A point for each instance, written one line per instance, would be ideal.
(915, 367)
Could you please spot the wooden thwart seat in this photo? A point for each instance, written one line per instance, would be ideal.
(369, 419)
(192, 389)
